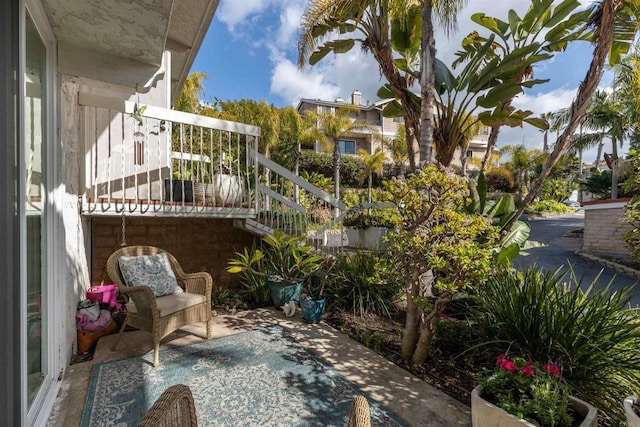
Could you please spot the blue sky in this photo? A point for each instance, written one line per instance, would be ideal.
(250, 52)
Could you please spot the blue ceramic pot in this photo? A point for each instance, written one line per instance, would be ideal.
(282, 293)
(312, 310)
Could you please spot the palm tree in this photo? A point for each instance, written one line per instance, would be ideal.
(447, 12)
(189, 98)
(371, 19)
(546, 28)
(615, 24)
(373, 164)
(521, 163)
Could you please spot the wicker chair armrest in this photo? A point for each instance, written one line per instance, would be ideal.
(174, 407)
(144, 299)
(198, 283)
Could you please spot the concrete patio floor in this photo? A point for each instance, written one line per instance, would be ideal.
(415, 401)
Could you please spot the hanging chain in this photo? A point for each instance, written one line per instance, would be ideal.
(123, 242)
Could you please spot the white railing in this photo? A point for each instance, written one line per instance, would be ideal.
(289, 203)
(150, 160)
(144, 160)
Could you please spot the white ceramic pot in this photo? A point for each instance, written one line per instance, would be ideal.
(367, 238)
(486, 414)
(228, 190)
(633, 420)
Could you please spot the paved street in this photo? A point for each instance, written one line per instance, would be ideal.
(560, 251)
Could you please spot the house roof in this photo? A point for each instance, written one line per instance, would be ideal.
(122, 42)
(379, 105)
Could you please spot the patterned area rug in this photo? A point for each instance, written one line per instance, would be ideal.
(261, 377)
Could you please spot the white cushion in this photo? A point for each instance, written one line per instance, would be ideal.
(172, 303)
(153, 271)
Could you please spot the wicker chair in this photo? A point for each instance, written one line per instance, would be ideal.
(359, 415)
(174, 408)
(143, 310)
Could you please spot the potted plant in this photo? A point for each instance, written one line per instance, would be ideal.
(366, 227)
(630, 405)
(312, 299)
(520, 392)
(285, 261)
(179, 188)
(227, 186)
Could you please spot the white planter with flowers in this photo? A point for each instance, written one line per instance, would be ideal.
(498, 400)
(633, 420)
(486, 414)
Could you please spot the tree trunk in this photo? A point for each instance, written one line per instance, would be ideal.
(428, 328)
(615, 171)
(336, 169)
(599, 154)
(370, 185)
(604, 36)
(463, 162)
(545, 144)
(398, 83)
(296, 168)
(427, 83)
(410, 332)
(491, 143)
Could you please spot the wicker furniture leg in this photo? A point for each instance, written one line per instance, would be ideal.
(124, 325)
(156, 351)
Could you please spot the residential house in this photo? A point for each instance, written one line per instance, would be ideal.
(93, 158)
(380, 130)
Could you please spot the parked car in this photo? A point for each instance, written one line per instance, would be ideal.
(571, 203)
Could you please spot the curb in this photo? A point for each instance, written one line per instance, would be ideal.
(622, 269)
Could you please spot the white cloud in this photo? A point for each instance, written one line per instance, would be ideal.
(290, 23)
(343, 73)
(233, 12)
(292, 84)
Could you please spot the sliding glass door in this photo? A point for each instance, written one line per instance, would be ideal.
(35, 185)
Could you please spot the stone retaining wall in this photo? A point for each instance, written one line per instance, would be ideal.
(604, 227)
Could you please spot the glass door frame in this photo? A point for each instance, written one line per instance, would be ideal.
(41, 406)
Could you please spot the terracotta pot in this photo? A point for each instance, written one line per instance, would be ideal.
(633, 420)
(486, 414)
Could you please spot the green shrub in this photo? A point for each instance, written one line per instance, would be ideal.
(453, 336)
(557, 189)
(364, 282)
(322, 163)
(500, 179)
(254, 287)
(547, 206)
(365, 218)
(589, 332)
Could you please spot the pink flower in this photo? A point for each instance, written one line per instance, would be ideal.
(445, 316)
(551, 369)
(500, 359)
(528, 371)
(508, 365)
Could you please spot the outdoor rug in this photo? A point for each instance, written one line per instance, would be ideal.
(262, 377)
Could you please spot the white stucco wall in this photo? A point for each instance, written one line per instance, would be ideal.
(74, 229)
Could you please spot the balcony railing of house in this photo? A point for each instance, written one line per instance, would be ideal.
(144, 160)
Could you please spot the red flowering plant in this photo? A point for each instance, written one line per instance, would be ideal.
(527, 389)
